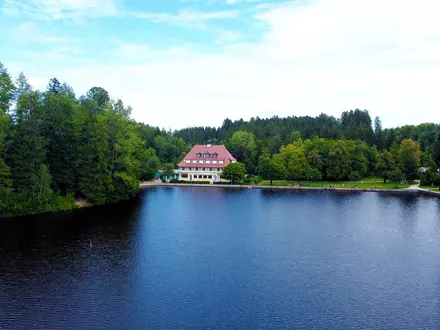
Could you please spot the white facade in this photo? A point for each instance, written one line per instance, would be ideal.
(199, 174)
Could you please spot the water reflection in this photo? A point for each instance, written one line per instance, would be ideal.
(226, 258)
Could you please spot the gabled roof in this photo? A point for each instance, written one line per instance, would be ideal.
(220, 150)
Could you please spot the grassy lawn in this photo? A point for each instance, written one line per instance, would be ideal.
(367, 183)
(429, 187)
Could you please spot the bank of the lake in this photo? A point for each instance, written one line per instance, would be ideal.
(406, 191)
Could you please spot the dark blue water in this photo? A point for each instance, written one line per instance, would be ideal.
(206, 258)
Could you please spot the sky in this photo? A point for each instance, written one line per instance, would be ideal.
(184, 63)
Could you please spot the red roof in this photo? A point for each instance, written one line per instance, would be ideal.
(221, 151)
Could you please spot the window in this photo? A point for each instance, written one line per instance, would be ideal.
(209, 176)
(185, 176)
(214, 162)
(195, 176)
(205, 177)
(214, 155)
(208, 162)
(194, 161)
(203, 169)
(187, 161)
(200, 161)
(221, 162)
(198, 155)
(219, 169)
(210, 169)
(206, 155)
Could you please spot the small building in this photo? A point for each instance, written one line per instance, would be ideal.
(159, 175)
(205, 163)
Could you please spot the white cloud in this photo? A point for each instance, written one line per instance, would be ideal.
(315, 56)
(60, 53)
(228, 36)
(60, 9)
(186, 18)
(28, 32)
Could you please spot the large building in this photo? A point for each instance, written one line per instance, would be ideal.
(204, 163)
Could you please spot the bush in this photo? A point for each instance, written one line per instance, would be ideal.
(228, 183)
(397, 176)
(354, 176)
(436, 180)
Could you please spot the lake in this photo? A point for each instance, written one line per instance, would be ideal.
(219, 258)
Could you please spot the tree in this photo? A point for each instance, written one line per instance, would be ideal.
(54, 86)
(435, 152)
(168, 170)
(7, 90)
(409, 158)
(339, 163)
(99, 95)
(241, 144)
(294, 160)
(378, 133)
(58, 111)
(5, 172)
(385, 165)
(270, 169)
(23, 86)
(234, 172)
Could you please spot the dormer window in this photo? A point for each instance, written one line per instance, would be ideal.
(206, 155)
(214, 155)
(198, 155)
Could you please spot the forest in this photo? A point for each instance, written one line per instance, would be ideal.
(56, 148)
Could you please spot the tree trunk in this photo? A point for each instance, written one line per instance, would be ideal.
(270, 181)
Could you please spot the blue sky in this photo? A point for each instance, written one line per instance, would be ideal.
(195, 62)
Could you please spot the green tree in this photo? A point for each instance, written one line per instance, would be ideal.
(294, 161)
(99, 95)
(270, 169)
(23, 86)
(385, 165)
(58, 111)
(54, 86)
(339, 162)
(242, 145)
(409, 158)
(7, 90)
(5, 172)
(234, 172)
(168, 170)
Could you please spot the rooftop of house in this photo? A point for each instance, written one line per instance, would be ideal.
(208, 152)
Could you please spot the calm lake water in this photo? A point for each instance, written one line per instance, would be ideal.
(193, 258)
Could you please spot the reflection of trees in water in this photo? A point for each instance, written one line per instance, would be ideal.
(406, 208)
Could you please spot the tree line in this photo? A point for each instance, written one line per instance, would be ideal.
(56, 147)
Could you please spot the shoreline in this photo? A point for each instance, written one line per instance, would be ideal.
(417, 191)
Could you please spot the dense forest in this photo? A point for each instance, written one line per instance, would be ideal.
(56, 147)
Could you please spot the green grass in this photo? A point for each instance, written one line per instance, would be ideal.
(430, 187)
(367, 183)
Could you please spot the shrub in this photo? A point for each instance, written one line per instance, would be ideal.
(397, 176)
(354, 176)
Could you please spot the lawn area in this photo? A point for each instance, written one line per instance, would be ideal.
(366, 183)
(430, 187)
